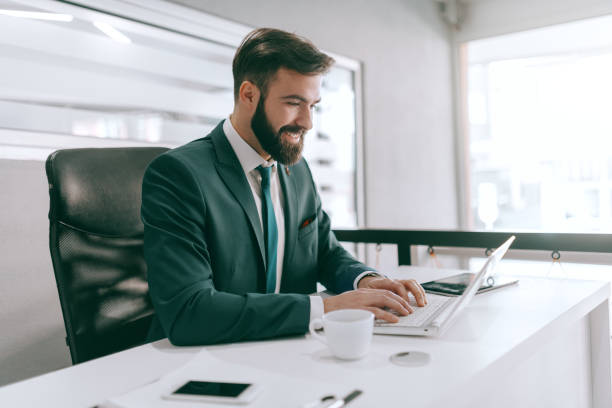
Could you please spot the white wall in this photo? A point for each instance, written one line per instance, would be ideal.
(32, 330)
(409, 153)
(486, 18)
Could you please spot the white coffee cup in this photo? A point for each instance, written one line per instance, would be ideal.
(348, 332)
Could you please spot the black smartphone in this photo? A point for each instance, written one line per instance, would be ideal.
(213, 391)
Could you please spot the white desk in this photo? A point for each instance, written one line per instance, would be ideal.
(542, 343)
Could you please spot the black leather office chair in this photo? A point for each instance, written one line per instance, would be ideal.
(96, 243)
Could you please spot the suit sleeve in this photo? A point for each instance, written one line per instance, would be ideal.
(190, 309)
(338, 269)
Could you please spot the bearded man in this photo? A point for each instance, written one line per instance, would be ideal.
(235, 237)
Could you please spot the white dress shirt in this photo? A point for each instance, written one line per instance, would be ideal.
(249, 160)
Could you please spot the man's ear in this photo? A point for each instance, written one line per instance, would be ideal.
(249, 95)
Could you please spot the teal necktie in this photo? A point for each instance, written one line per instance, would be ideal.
(270, 230)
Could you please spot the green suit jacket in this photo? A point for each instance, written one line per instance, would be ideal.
(205, 250)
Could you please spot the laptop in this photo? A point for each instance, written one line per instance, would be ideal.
(441, 311)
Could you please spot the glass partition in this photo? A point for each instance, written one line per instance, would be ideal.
(147, 73)
(539, 129)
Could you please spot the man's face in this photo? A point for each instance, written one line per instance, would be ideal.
(284, 115)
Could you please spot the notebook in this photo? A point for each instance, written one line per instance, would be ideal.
(441, 311)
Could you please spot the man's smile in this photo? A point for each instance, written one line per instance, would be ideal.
(293, 137)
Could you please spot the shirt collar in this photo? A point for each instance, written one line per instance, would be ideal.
(247, 156)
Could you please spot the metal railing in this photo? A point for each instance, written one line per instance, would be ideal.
(405, 239)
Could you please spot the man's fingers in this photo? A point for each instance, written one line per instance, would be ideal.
(417, 290)
(392, 301)
(383, 315)
(370, 299)
(397, 287)
(388, 299)
(391, 285)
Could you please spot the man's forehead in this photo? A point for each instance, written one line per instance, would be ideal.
(289, 84)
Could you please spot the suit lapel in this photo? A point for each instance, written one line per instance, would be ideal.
(288, 186)
(233, 176)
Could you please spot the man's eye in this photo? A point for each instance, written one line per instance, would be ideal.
(293, 103)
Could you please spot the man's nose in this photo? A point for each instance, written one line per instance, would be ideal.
(304, 119)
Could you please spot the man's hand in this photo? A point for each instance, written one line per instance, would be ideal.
(373, 300)
(379, 295)
(402, 288)
(376, 294)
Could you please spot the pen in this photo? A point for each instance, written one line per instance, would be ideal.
(317, 403)
(344, 401)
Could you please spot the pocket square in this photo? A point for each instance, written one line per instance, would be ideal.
(308, 221)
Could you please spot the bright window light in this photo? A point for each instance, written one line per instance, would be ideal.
(540, 129)
(112, 32)
(37, 15)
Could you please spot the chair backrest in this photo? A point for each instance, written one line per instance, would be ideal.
(96, 243)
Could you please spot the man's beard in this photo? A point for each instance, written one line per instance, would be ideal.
(282, 151)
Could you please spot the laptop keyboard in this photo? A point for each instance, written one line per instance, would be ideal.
(421, 314)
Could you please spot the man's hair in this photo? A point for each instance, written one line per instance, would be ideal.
(264, 50)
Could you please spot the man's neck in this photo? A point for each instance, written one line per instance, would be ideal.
(243, 127)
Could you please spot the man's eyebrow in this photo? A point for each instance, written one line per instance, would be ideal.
(300, 98)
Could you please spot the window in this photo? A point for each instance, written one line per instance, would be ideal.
(148, 74)
(539, 141)
(540, 129)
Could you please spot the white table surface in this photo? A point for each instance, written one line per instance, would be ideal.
(495, 333)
